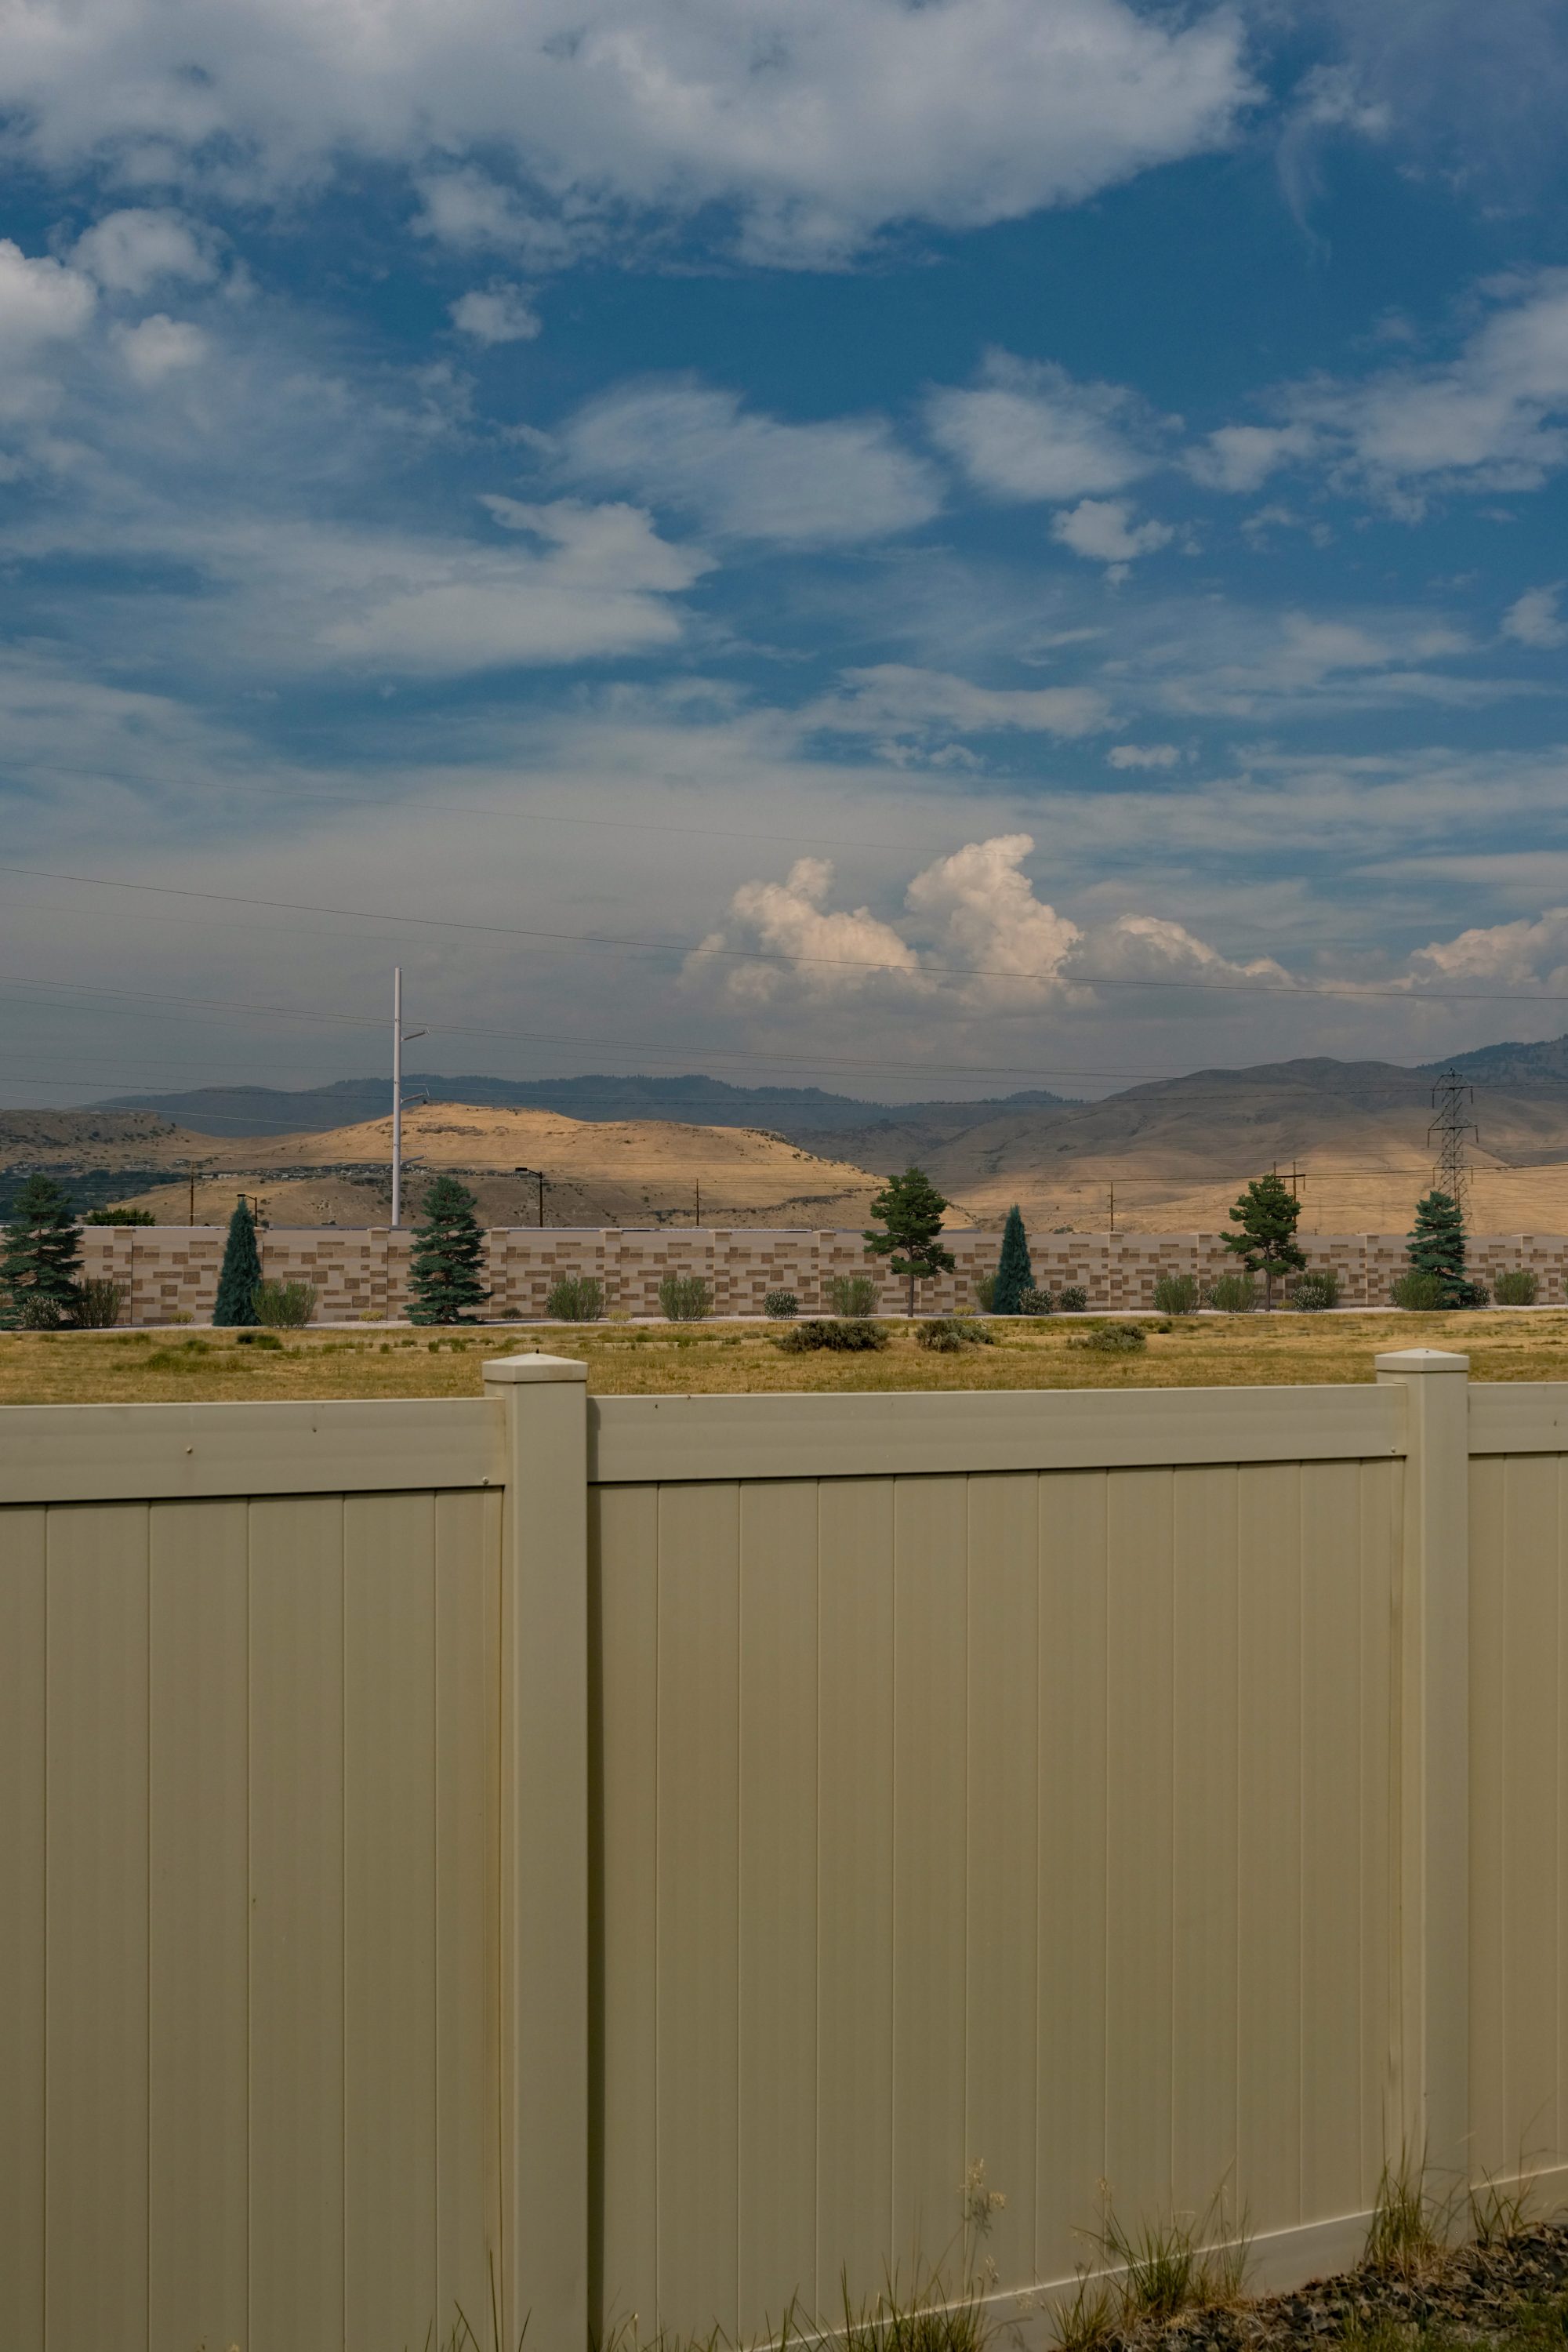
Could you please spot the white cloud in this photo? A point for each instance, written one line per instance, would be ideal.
(160, 346)
(1142, 755)
(599, 584)
(1103, 530)
(823, 120)
(1242, 456)
(686, 445)
(497, 313)
(128, 252)
(1534, 619)
(1521, 954)
(1147, 947)
(1031, 431)
(990, 918)
(830, 954)
(895, 701)
(41, 303)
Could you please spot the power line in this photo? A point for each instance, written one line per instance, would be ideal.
(1295, 989)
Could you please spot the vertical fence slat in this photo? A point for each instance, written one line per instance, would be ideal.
(23, 1719)
(931, 1695)
(96, 2230)
(389, 1920)
(467, 1890)
(1138, 2056)
(1529, 1808)
(1203, 1827)
(855, 1881)
(777, 2122)
(1382, 1543)
(1002, 1834)
(698, 1900)
(199, 2011)
(297, 1925)
(624, 1568)
(1269, 1989)
(1074, 1675)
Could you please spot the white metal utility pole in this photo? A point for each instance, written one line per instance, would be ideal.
(397, 1094)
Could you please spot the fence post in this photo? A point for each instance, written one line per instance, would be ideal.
(544, 1849)
(1433, 1752)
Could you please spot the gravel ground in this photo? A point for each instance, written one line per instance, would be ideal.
(1510, 2293)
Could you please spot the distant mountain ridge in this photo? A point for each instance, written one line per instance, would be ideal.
(693, 1099)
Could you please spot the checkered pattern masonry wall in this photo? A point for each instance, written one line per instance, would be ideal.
(170, 1272)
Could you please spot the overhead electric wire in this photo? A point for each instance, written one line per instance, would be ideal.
(1297, 990)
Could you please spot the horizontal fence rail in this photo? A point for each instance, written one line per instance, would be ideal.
(672, 1855)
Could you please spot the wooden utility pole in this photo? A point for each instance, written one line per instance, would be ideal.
(697, 1212)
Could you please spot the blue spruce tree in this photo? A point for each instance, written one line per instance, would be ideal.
(234, 1306)
(1014, 1274)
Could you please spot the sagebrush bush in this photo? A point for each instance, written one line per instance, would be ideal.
(985, 1292)
(848, 1333)
(1176, 1293)
(850, 1294)
(1233, 1294)
(1316, 1291)
(1034, 1302)
(575, 1298)
(781, 1305)
(1112, 1338)
(99, 1302)
(284, 1306)
(685, 1298)
(1520, 1286)
(1423, 1293)
(945, 1335)
(1072, 1299)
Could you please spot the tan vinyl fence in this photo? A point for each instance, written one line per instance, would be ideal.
(677, 1851)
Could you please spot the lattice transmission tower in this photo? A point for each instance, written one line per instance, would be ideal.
(1452, 1098)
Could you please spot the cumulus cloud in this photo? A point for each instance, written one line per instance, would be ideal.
(1103, 530)
(1533, 952)
(41, 303)
(1242, 456)
(161, 346)
(824, 122)
(748, 476)
(1029, 430)
(1534, 619)
(897, 702)
(129, 252)
(826, 953)
(988, 916)
(497, 313)
(1147, 947)
(1142, 755)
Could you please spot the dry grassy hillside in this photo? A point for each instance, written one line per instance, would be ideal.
(92, 1139)
(631, 1172)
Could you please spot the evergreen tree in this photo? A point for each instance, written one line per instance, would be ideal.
(1436, 1246)
(444, 1271)
(1014, 1274)
(40, 1264)
(234, 1308)
(911, 1208)
(1267, 1244)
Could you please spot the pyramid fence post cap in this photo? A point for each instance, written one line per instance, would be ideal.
(510, 1370)
(1422, 1360)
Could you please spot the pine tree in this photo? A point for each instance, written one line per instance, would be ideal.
(1014, 1274)
(234, 1308)
(444, 1271)
(1437, 1245)
(911, 1208)
(40, 1264)
(1267, 1244)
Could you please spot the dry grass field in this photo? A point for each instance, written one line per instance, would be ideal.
(666, 1359)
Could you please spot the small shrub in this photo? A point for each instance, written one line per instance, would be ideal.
(37, 1311)
(263, 1339)
(1112, 1338)
(1176, 1293)
(684, 1297)
(98, 1303)
(850, 1294)
(947, 1335)
(985, 1292)
(120, 1217)
(1072, 1299)
(1233, 1294)
(575, 1298)
(781, 1305)
(284, 1306)
(848, 1333)
(1421, 1293)
(1519, 1288)
(1034, 1302)
(1316, 1292)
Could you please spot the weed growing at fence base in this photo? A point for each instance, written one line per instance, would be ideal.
(711, 1359)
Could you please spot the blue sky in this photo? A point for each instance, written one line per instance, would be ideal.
(920, 548)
